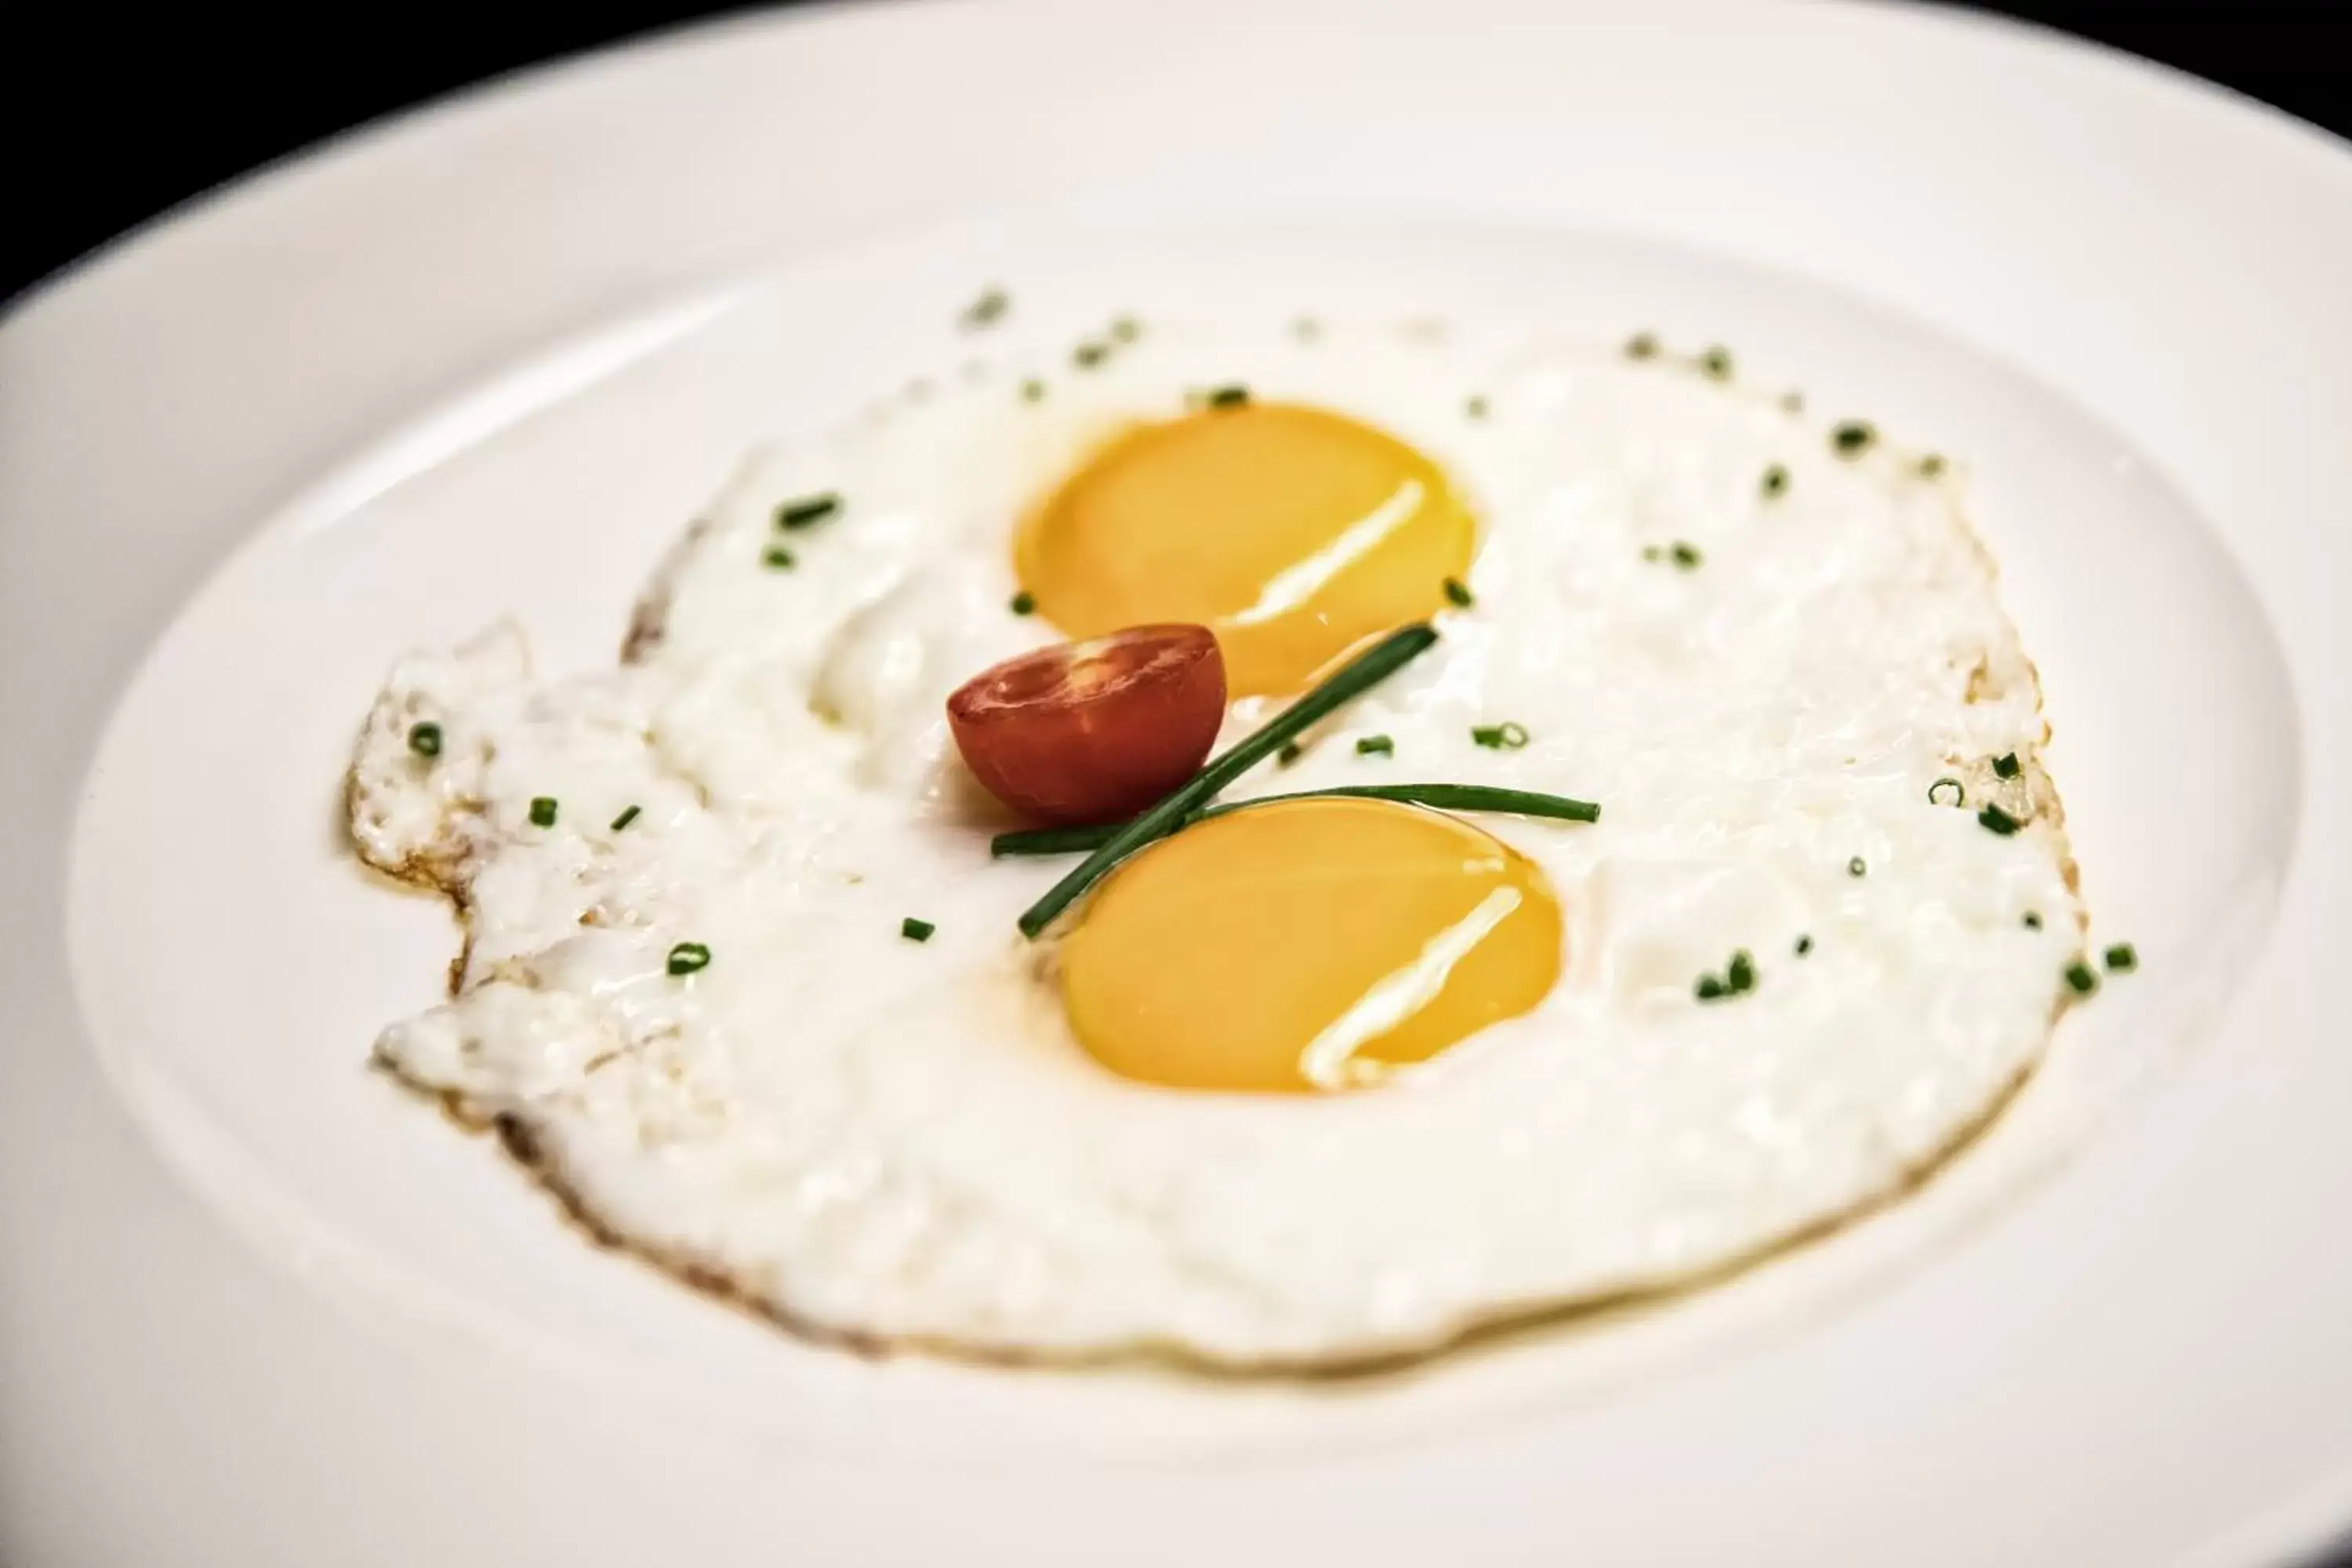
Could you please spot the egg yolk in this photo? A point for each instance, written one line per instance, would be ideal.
(1291, 533)
(1310, 945)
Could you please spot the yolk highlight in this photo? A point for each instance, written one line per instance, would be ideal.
(1291, 533)
(1307, 945)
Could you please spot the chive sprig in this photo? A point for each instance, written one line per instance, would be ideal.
(1444, 796)
(1359, 675)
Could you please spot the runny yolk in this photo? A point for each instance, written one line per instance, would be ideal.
(1291, 533)
(1308, 944)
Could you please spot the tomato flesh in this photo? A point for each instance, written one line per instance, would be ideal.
(1096, 730)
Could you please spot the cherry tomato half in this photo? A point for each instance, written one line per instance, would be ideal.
(1096, 730)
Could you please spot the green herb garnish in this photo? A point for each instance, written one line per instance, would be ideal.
(1032, 391)
(424, 739)
(2122, 958)
(778, 559)
(1458, 593)
(627, 818)
(1291, 752)
(1641, 345)
(1125, 330)
(543, 811)
(2033, 919)
(988, 307)
(1024, 602)
(1739, 978)
(1359, 675)
(1775, 480)
(807, 511)
(688, 956)
(1687, 556)
(1995, 820)
(1716, 363)
(1475, 407)
(1804, 945)
(1442, 797)
(913, 930)
(1375, 746)
(2005, 766)
(1931, 466)
(1505, 737)
(1854, 437)
(1228, 396)
(2082, 977)
(1857, 866)
(1651, 552)
(1085, 356)
(1947, 791)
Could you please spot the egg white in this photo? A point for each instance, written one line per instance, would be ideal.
(897, 1142)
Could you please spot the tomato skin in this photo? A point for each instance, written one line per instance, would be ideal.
(1096, 731)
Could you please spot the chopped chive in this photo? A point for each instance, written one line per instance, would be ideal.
(1857, 866)
(1228, 396)
(1500, 737)
(1710, 989)
(1641, 345)
(778, 559)
(424, 739)
(1375, 746)
(1741, 973)
(2033, 919)
(2082, 977)
(627, 818)
(1716, 363)
(913, 930)
(1931, 466)
(1441, 796)
(1458, 593)
(1032, 391)
(688, 956)
(1125, 330)
(809, 510)
(1775, 480)
(1359, 675)
(1085, 356)
(1947, 791)
(1804, 945)
(543, 811)
(1996, 820)
(1024, 602)
(1651, 552)
(1687, 556)
(2005, 766)
(991, 305)
(2122, 958)
(1475, 407)
(1291, 752)
(1854, 437)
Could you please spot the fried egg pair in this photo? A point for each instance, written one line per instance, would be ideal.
(1310, 1083)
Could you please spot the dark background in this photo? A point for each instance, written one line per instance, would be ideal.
(108, 119)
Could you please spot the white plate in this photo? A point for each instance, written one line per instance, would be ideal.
(257, 1308)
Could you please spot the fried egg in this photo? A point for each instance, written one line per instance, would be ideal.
(1307, 1083)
